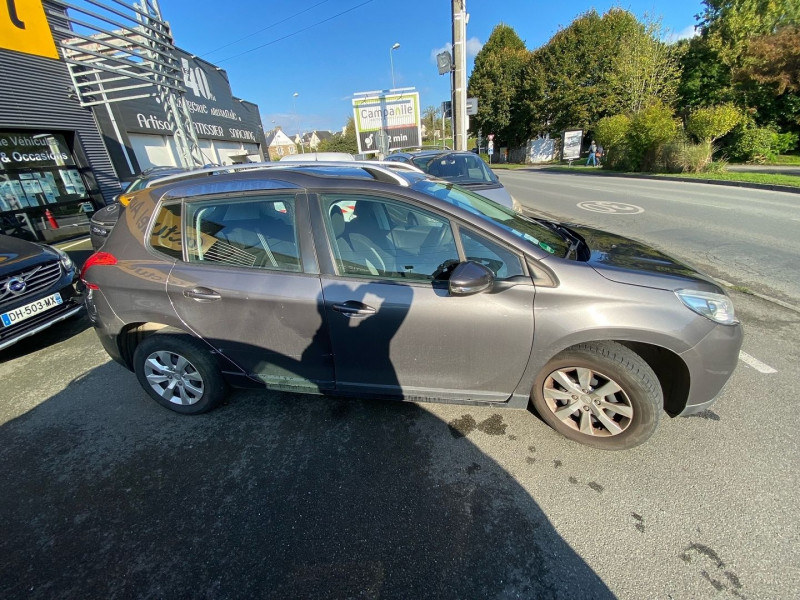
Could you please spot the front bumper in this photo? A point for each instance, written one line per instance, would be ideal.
(72, 305)
(711, 363)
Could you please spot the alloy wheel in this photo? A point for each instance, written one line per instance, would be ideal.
(173, 377)
(588, 401)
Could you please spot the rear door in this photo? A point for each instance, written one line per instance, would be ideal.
(242, 285)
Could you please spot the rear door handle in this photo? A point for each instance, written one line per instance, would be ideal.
(202, 294)
(351, 308)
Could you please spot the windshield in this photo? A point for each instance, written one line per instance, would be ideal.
(535, 232)
(464, 169)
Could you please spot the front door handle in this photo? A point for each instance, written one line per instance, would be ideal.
(202, 294)
(351, 308)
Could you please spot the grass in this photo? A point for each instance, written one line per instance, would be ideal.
(760, 178)
(786, 159)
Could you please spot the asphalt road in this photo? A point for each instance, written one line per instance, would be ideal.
(107, 495)
(746, 236)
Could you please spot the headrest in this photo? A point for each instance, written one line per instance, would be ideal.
(337, 221)
(243, 211)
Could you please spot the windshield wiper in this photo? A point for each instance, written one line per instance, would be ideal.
(575, 241)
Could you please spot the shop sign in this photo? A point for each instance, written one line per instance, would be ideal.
(18, 150)
(208, 97)
(24, 28)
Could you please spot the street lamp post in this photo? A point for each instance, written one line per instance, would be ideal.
(391, 59)
(297, 121)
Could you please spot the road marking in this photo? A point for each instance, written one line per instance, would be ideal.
(84, 240)
(755, 363)
(611, 208)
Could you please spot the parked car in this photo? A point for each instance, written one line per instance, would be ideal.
(463, 168)
(318, 156)
(102, 221)
(429, 292)
(36, 288)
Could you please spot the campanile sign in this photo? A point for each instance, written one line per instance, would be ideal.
(380, 115)
(24, 28)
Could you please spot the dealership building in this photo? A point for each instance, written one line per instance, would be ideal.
(60, 161)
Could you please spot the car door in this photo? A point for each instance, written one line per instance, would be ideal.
(394, 327)
(242, 286)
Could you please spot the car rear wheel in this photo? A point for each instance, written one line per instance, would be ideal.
(178, 372)
(601, 394)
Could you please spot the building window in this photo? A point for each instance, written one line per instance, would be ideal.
(38, 175)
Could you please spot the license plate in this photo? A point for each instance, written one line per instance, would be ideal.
(13, 317)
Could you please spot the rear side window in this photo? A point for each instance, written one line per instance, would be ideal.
(257, 232)
(165, 236)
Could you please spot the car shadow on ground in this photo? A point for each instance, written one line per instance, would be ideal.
(106, 494)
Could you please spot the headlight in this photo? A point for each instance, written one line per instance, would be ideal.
(66, 261)
(717, 307)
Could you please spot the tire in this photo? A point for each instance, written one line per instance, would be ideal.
(179, 373)
(623, 415)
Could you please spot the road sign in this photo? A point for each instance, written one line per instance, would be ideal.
(447, 109)
(24, 28)
(382, 140)
(491, 146)
(472, 106)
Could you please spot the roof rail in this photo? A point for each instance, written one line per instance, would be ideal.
(380, 170)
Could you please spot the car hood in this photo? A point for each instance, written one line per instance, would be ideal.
(17, 254)
(493, 191)
(107, 215)
(624, 260)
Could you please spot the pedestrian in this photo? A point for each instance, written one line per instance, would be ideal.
(600, 154)
(592, 155)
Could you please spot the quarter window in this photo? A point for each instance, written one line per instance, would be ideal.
(165, 237)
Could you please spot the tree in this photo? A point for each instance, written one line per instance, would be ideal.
(496, 83)
(579, 65)
(644, 69)
(342, 142)
(774, 59)
(710, 124)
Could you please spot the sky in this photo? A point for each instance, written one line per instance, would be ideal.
(326, 50)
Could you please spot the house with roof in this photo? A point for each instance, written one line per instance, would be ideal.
(279, 144)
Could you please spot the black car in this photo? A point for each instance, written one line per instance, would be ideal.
(103, 221)
(462, 168)
(36, 288)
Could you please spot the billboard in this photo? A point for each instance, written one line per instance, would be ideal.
(391, 116)
(571, 146)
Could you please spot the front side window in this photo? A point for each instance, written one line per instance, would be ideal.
(376, 237)
(502, 262)
(257, 232)
(523, 227)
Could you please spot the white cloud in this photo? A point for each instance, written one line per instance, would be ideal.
(474, 46)
(686, 33)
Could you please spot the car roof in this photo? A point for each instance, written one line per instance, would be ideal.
(384, 171)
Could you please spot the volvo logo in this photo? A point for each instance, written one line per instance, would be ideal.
(16, 285)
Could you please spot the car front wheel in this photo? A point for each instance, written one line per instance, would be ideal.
(601, 394)
(179, 374)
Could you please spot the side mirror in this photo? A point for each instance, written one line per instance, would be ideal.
(470, 278)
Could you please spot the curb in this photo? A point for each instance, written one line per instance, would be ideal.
(741, 184)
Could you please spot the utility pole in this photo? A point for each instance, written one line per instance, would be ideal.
(460, 18)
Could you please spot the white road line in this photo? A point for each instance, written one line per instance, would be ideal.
(755, 363)
(74, 244)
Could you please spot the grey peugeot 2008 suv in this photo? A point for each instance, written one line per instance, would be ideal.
(356, 279)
